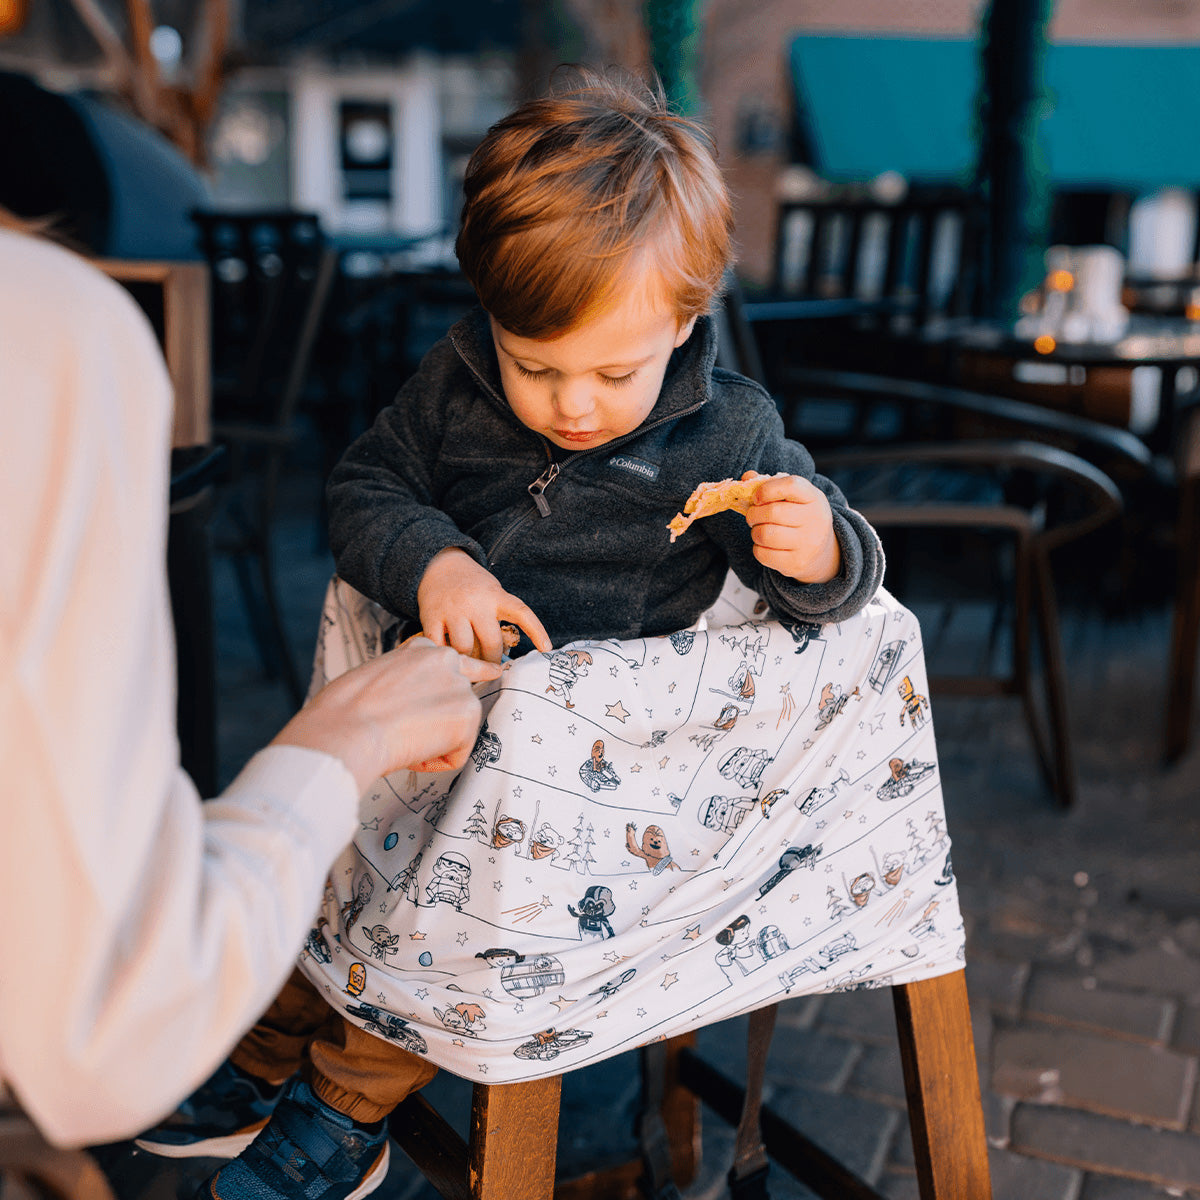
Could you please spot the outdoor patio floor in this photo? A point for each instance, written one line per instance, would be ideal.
(1083, 938)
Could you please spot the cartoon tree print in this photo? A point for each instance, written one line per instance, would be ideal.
(581, 848)
(936, 830)
(477, 826)
(437, 808)
(916, 847)
(833, 902)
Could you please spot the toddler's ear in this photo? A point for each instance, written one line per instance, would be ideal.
(685, 331)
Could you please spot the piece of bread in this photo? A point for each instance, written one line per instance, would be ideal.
(709, 498)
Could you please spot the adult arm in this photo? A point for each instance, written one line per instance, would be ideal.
(145, 931)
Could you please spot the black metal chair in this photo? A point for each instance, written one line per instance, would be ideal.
(271, 277)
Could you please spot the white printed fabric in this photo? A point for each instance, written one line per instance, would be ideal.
(650, 835)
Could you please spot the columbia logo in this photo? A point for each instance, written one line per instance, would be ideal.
(637, 466)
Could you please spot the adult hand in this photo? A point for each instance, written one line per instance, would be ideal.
(462, 604)
(412, 707)
(792, 528)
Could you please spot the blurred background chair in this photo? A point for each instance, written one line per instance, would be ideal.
(272, 271)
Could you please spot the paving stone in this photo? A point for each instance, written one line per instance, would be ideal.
(879, 1075)
(811, 1057)
(1186, 1035)
(1106, 1145)
(1166, 968)
(857, 1132)
(1082, 1070)
(1109, 1187)
(1015, 1177)
(996, 984)
(1080, 1001)
(869, 1013)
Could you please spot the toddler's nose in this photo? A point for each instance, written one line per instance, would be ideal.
(573, 401)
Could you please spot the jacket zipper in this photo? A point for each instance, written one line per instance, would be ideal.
(537, 489)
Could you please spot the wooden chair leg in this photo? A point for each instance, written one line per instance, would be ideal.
(514, 1140)
(933, 1023)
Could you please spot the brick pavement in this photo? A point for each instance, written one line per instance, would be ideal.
(1083, 949)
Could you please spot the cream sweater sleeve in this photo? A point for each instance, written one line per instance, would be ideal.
(143, 932)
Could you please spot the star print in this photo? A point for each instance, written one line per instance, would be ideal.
(692, 934)
(546, 902)
(537, 737)
(483, 1068)
(613, 672)
(633, 885)
(571, 729)
(778, 659)
(877, 725)
(498, 885)
(617, 712)
(383, 907)
(641, 1012)
(517, 792)
(517, 1008)
(416, 936)
(667, 980)
(516, 714)
(561, 1003)
(793, 897)
(462, 938)
(602, 1013)
(491, 858)
(412, 837)
(671, 687)
(373, 824)
(831, 760)
(808, 920)
(848, 813)
(655, 661)
(636, 768)
(762, 908)
(828, 868)
(457, 1042)
(695, 852)
(645, 910)
(422, 993)
(382, 997)
(862, 820)
(861, 754)
(552, 769)
(612, 956)
(807, 744)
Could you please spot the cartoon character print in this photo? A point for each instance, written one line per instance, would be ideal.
(383, 941)
(682, 641)
(353, 908)
(317, 945)
(859, 888)
(824, 958)
(566, 668)
(549, 1043)
(653, 850)
(546, 842)
(833, 701)
(486, 749)
(451, 874)
(802, 632)
(724, 813)
(745, 765)
(819, 795)
(465, 1017)
(356, 979)
(613, 986)
(886, 664)
(507, 831)
(390, 1026)
(524, 978)
(792, 859)
(595, 907)
(597, 772)
(767, 802)
(915, 706)
(740, 947)
(903, 777)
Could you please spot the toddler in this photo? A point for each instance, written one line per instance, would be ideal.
(526, 475)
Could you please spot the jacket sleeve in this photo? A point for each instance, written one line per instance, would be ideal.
(146, 931)
(769, 451)
(384, 522)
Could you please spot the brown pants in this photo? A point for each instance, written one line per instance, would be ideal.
(355, 1072)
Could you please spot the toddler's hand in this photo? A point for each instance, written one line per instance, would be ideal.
(462, 604)
(792, 527)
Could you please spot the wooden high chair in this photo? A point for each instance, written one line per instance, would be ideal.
(510, 1154)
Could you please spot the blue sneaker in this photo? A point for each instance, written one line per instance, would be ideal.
(307, 1150)
(218, 1120)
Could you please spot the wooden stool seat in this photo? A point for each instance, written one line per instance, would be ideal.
(510, 1154)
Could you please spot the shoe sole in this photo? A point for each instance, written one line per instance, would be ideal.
(375, 1176)
(229, 1145)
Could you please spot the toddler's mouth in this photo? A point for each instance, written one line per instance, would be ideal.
(577, 435)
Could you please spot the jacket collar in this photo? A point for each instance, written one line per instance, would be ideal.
(688, 380)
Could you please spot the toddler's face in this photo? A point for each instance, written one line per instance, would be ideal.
(596, 382)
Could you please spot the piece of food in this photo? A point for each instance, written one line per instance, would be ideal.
(709, 498)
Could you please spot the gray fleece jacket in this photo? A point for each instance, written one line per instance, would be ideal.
(580, 536)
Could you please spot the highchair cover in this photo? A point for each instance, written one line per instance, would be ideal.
(649, 836)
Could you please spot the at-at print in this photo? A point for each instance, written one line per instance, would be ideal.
(824, 958)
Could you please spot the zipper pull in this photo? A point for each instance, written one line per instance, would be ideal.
(540, 484)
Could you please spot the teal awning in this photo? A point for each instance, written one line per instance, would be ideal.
(1121, 117)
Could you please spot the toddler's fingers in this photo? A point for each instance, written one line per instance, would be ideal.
(521, 614)
(460, 634)
(489, 645)
(477, 670)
